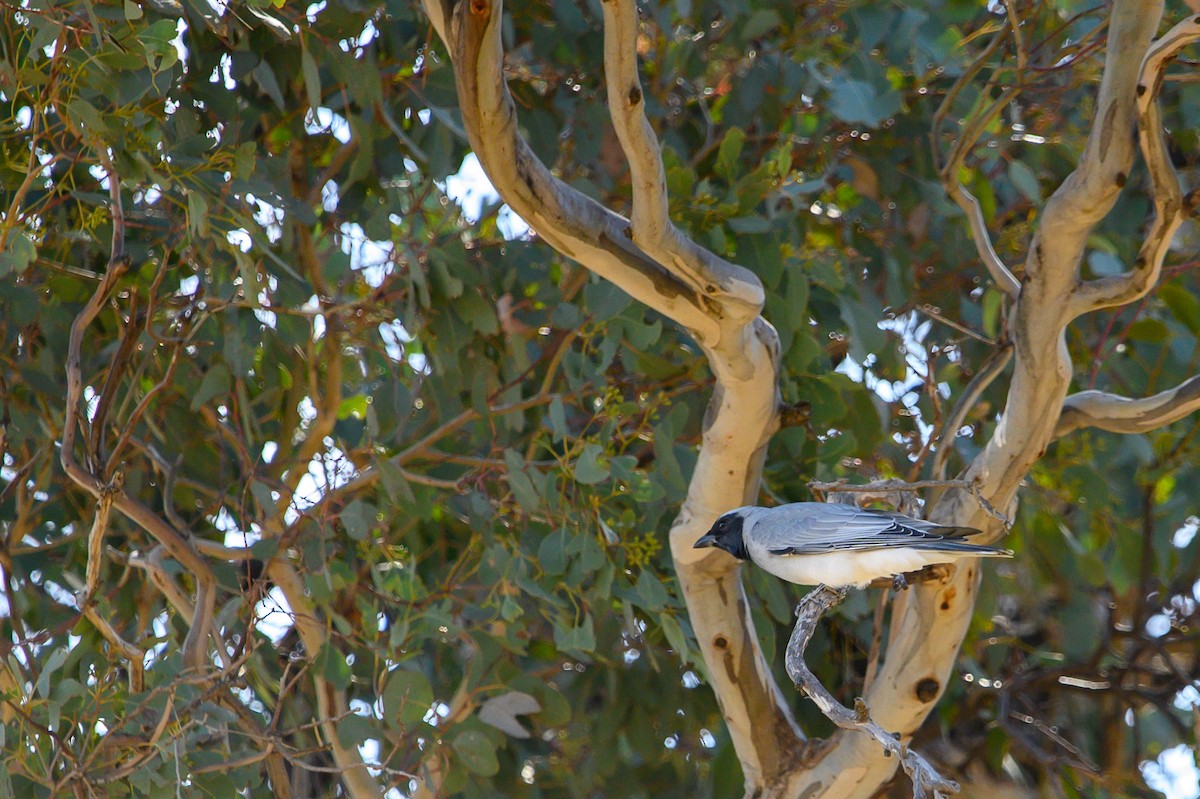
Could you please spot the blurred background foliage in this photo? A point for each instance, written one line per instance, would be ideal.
(472, 450)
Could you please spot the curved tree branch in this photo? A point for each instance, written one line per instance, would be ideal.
(653, 230)
(996, 267)
(930, 620)
(1166, 194)
(331, 703)
(178, 544)
(720, 311)
(949, 172)
(1119, 414)
(571, 222)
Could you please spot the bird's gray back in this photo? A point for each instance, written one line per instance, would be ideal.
(820, 527)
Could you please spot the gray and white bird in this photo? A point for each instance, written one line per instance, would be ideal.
(822, 543)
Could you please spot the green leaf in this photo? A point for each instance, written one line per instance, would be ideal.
(358, 518)
(263, 494)
(476, 752)
(501, 712)
(558, 419)
(589, 468)
(1183, 304)
(407, 697)
(447, 284)
(750, 224)
(581, 639)
(991, 311)
(863, 316)
(264, 76)
(727, 155)
(312, 77)
(1104, 264)
(761, 22)
(217, 381)
(552, 552)
(57, 657)
(84, 112)
(157, 37)
(674, 634)
(19, 252)
(333, 667)
(1146, 329)
(1025, 181)
(652, 594)
(353, 730)
(856, 102)
(395, 483)
(522, 486)
(197, 215)
(244, 160)
(353, 406)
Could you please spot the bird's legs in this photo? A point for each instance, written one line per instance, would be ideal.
(925, 778)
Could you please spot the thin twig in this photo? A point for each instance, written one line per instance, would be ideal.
(992, 368)
(884, 486)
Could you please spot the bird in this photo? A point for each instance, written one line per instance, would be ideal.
(823, 543)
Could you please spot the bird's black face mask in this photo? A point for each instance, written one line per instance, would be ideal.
(726, 534)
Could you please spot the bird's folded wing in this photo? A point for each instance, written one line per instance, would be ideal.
(843, 527)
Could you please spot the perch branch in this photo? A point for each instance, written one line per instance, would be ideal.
(1166, 194)
(925, 778)
(1119, 414)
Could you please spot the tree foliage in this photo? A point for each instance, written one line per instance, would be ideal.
(359, 479)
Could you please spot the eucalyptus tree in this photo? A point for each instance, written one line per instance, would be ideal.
(314, 485)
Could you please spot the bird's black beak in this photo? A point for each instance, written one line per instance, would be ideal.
(707, 540)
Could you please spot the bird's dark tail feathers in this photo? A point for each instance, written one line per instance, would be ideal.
(956, 544)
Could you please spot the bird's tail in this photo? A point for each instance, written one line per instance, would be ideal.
(956, 532)
(965, 547)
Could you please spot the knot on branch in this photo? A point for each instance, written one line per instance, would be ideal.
(111, 489)
(1191, 201)
(795, 414)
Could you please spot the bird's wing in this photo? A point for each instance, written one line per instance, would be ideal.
(811, 527)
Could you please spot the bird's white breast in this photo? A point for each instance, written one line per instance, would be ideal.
(846, 567)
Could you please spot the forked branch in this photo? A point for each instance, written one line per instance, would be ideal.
(177, 543)
(1166, 194)
(716, 302)
(926, 780)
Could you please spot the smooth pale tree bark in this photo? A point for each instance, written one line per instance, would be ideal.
(719, 304)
